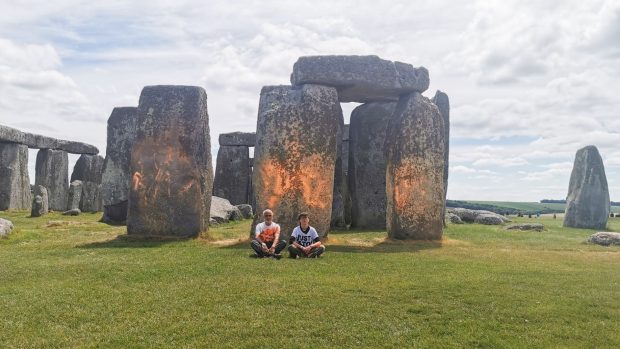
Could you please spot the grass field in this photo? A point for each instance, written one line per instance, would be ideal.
(531, 206)
(77, 283)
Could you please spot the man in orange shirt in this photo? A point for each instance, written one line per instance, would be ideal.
(267, 241)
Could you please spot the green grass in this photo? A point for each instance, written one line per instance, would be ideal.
(74, 282)
(531, 206)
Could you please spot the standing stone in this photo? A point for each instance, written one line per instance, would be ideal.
(232, 174)
(14, 179)
(116, 176)
(345, 173)
(247, 139)
(367, 164)
(40, 204)
(295, 154)
(442, 102)
(340, 186)
(75, 195)
(88, 169)
(415, 170)
(52, 172)
(587, 203)
(172, 173)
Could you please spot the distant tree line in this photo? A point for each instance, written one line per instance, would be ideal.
(549, 201)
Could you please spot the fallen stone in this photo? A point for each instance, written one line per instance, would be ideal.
(526, 226)
(296, 148)
(587, 202)
(72, 212)
(367, 164)
(9, 134)
(116, 176)
(605, 238)
(415, 170)
(223, 211)
(246, 211)
(469, 216)
(6, 227)
(232, 174)
(75, 195)
(171, 164)
(14, 180)
(40, 205)
(489, 219)
(454, 219)
(247, 139)
(361, 78)
(52, 172)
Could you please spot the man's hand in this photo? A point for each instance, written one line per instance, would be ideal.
(264, 247)
(272, 249)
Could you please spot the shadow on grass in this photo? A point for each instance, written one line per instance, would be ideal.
(129, 241)
(387, 246)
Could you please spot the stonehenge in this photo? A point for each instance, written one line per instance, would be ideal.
(171, 168)
(116, 176)
(442, 102)
(587, 202)
(14, 178)
(52, 172)
(51, 169)
(233, 168)
(88, 170)
(415, 170)
(367, 163)
(295, 154)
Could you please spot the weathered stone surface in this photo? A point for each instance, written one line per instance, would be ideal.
(246, 211)
(415, 167)
(345, 171)
(6, 227)
(367, 164)
(442, 102)
(172, 173)
(75, 195)
(340, 184)
(116, 176)
(470, 216)
(587, 203)
(52, 172)
(91, 197)
(247, 139)
(40, 205)
(222, 210)
(14, 179)
(72, 212)
(489, 219)
(232, 174)
(88, 168)
(361, 78)
(295, 154)
(9, 134)
(605, 238)
(454, 219)
(526, 226)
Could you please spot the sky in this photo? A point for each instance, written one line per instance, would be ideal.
(530, 82)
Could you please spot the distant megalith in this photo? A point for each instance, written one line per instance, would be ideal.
(232, 174)
(367, 164)
(75, 195)
(415, 170)
(116, 176)
(52, 172)
(40, 205)
(172, 173)
(340, 184)
(587, 203)
(88, 169)
(247, 139)
(14, 179)
(361, 78)
(442, 102)
(295, 154)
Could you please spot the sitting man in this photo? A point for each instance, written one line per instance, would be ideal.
(266, 242)
(305, 240)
